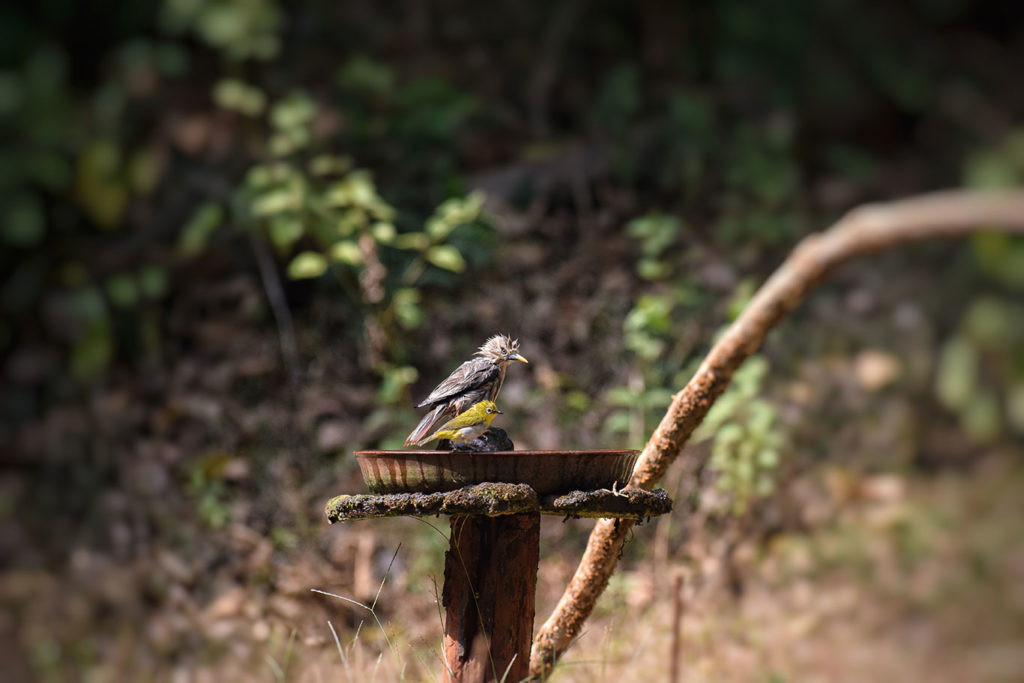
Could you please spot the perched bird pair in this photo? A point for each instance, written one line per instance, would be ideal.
(473, 385)
(468, 425)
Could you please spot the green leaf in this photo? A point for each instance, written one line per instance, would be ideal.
(262, 176)
(1000, 256)
(367, 75)
(406, 304)
(452, 213)
(411, 240)
(657, 398)
(651, 314)
(394, 382)
(990, 171)
(235, 95)
(122, 290)
(438, 229)
(284, 231)
(294, 111)
(655, 232)
(346, 251)
(621, 396)
(276, 201)
(617, 423)
(383, 232)
(153, 281)
(981, 417)
(93, 352)
(990, 321)
(1000, 166)
(741, 296)
(768, 458)
(729, 435)
(349, 222)
(306, 265)
(380, 210)
(100, 186)
(329, 164)
(650, 269)
(289, 141)
(446, 256)
(356, 189)
(957, 375)
(578, 400)
(143, 171)
(197, 231)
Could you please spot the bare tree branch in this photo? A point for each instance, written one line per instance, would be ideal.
(864, 230)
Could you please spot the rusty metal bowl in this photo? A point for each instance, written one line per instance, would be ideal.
(545, 471)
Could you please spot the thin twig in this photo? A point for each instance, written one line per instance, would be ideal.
(675, 653)
(278, 306)
(864, 230)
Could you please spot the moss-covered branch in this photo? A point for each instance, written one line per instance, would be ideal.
(631, 503)
(501, 499)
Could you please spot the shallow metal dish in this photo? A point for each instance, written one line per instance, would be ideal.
(545, 471)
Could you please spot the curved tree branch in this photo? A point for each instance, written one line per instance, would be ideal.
(864, 230)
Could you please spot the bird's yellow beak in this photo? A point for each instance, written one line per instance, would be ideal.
(516, 356)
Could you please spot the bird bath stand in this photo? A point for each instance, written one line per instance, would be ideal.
(494, 501)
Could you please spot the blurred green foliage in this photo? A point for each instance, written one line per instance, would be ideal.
(980, 374)
(749, 440)
(177, 131)
(74, 167)
(650, 330)
(239, 29)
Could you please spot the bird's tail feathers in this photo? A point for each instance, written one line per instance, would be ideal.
(426, 426)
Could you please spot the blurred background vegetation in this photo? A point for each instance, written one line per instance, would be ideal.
(242, 237)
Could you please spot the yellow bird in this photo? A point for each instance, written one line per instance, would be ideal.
(466, 426)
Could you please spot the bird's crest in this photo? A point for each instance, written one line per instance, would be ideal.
(498, 348)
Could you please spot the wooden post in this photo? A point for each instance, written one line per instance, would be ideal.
(490, 581)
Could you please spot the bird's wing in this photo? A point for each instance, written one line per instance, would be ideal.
(471, 375)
